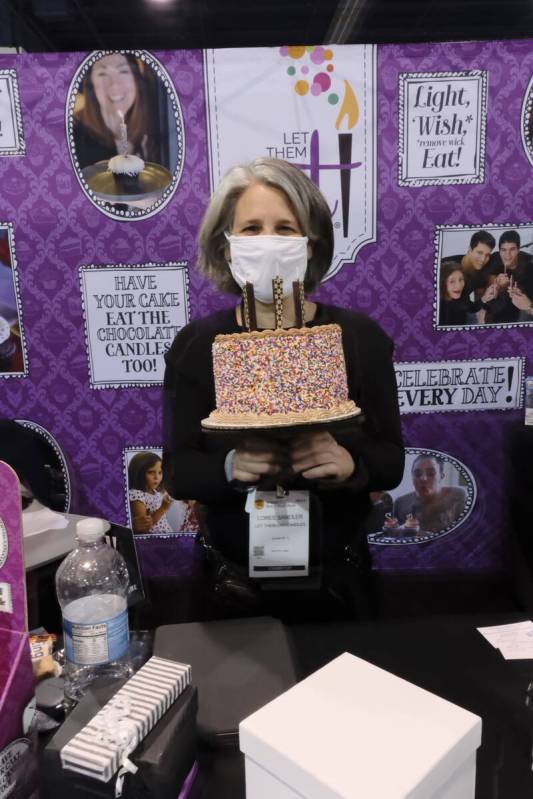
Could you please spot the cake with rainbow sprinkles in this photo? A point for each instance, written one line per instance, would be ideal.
(273, 378)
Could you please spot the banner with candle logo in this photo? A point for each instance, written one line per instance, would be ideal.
(132, 315)
(11, 132)
(312, 106)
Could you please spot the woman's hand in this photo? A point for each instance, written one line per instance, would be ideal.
(317, 456)
(519, 299)
(256, 458)
(490, 293)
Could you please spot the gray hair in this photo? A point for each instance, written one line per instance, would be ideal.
(305, 199)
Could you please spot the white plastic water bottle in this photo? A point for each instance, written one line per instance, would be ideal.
(92, 587)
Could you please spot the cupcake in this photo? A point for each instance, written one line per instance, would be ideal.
(126, 170)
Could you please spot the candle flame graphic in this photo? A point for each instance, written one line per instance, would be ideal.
(349, 108)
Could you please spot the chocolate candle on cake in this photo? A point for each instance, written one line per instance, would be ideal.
(277, 293)
(248, 304)
(299, 302)
(125, 167)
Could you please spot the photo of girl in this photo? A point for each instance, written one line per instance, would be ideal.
(149, 502)
(11, 349)
(455, 304)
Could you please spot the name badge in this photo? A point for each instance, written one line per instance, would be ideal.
(279, 533)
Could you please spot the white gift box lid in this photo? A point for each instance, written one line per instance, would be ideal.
(352, 729)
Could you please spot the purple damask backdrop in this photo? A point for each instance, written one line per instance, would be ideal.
(56, 229)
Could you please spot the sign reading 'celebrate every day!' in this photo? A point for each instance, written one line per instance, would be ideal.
(479, 385)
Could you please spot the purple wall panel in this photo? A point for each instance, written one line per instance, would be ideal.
(393, 281)
(57, 229)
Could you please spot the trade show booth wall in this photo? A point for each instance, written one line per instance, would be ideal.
(417, 148)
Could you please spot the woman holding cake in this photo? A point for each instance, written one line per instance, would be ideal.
(266, 220)
(114, 90)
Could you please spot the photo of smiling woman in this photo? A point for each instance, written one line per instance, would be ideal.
(125, 132)
(117, 84)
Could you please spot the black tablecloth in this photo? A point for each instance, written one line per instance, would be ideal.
(445, 655)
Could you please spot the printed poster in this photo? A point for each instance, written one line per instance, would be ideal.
(442, 127)
(483, 276)
(123, 103)
(311, 106)
(436, 495)
(13, 360)
(132, 314)
(11, 133)
(479, 385)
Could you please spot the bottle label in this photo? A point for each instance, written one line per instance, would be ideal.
(96, 644)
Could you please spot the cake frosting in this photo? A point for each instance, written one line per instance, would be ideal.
(280, 377)
(411, 522)
(130, 165)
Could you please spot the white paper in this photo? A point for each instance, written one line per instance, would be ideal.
(515, 641)
(279, 534)
(37, 519)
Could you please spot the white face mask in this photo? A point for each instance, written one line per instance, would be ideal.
(259, 259)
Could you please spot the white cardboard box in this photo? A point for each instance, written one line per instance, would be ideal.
(352, 730)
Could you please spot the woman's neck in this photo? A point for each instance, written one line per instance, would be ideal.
(265, 314)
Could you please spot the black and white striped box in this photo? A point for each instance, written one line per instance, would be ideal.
(99, 749)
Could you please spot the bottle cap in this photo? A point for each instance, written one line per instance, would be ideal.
(91, 529)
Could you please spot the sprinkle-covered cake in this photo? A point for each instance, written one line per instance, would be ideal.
(280, 377)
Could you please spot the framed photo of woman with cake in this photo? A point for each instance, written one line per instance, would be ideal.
(436, 495)
(125, 132)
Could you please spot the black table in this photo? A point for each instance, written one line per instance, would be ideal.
(445, 655)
